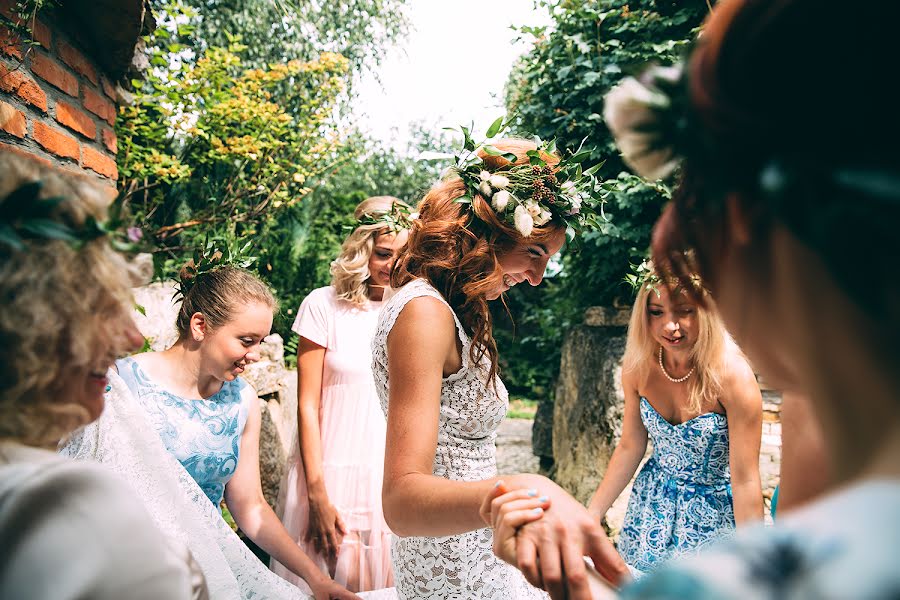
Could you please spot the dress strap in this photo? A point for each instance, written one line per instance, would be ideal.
(418, 288)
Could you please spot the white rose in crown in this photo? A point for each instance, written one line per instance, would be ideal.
(544, 216)
(499, 182)
(630, 111)
(501, 200)
(533, 208)
(523, 220)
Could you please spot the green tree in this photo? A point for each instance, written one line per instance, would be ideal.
(556, 90)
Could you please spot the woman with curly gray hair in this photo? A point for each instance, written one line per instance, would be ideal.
(65, 318)
(331, 498)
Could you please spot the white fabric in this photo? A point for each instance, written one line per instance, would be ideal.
(124, 441)
(459, 566)
(352, 430)
(71, 530)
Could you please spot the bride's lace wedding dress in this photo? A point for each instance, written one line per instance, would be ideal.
(460, 566)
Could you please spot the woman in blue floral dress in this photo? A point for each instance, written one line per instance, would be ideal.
(688, 388)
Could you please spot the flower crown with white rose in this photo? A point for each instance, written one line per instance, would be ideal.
(651, 119)
(530, 195)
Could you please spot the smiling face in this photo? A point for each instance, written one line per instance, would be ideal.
(383, 256)
(227, 350)
(672, 319)
(88, 383)
(527, 261)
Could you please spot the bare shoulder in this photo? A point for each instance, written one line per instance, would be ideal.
(425, 317)
(741, 389)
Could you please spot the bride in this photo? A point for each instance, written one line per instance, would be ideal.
(494, 223)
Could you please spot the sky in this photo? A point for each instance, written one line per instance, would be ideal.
(451, 70)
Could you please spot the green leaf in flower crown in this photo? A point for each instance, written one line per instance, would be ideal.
(495, 127)
(580, 157)
(590, 172)
(490, 150)
(48, 229)
(464, 200)
(510, 156)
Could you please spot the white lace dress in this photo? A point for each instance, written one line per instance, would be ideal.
(463, 566)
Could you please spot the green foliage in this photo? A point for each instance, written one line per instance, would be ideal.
(557, 91)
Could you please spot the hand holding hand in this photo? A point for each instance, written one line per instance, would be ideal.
(329, 589)
(549, 548)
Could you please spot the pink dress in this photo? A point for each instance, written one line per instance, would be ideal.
(353, 432)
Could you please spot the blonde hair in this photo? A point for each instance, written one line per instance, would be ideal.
(709, 354)
(350, 270)
(64, 308)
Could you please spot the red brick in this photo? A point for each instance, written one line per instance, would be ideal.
(18, 83)
(55, 141)
(76, 119)
(10, 43)
(99, 105)
(12, 120)
(41, 34)
(54, 73)
(77, 61)
(7, 9)
(100, 163)
(29, 154)
(110, 140)
(108, 88)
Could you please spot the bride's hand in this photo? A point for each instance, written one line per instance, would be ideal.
(506, 511)
(549, 551)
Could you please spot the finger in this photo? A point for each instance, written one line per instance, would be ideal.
(526, 560)
(520, 494)
(550, 561)
(607, 561)
(575, 572)
(339, 525)
(515, 506)
(484, 511)
(514, 519)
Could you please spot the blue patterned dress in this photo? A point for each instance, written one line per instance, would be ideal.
(681, 500)
(204, 434)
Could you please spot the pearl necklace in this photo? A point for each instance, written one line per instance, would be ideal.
(669, 377)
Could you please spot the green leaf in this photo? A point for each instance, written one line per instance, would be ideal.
(495, 127)
(140, 309)
(464, 200)
(46, 228)
(581, 156)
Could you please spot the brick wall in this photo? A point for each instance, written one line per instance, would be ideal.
(55, 103)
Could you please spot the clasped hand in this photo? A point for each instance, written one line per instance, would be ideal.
(545, 533)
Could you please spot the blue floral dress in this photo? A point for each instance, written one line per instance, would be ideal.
(203, 434)
(681, 500)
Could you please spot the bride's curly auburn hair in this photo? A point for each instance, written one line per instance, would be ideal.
(455, 247)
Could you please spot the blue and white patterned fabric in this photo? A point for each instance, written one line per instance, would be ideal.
(681, 500)
(203, 434)
(843, 546)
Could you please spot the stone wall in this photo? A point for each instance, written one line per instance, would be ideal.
(56, 102)
(588, 408)
(274, 383)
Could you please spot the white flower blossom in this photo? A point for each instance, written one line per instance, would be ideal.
(500, 200)
(499, 182)
(533, 208)
(485, 176)
(576, 205)
(543, 218)
(523, 221)
(485, 189)
(630, 111)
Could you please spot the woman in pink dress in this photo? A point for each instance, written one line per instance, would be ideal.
(331, 497)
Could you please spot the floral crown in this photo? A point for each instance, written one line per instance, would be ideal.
(530, 195)
(645, 276)
(26, 216)
(651, 119)
(397, 218)
(210, 257)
